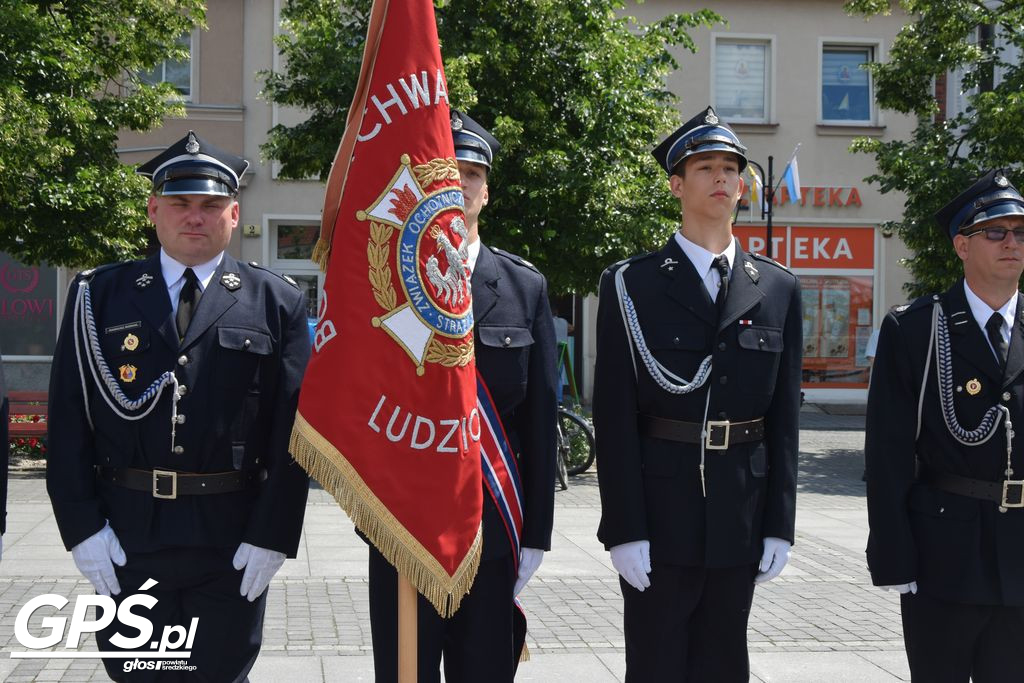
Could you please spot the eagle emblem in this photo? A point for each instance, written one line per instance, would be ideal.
(419, 238)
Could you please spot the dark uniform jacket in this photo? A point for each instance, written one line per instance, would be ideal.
(650, 487)
(240, 367)
(4, 451)
(956, 548)
(514, 340)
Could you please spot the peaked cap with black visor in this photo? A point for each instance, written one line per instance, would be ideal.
(473, 142)
(991, 196)
(193, 166)
(705, 132)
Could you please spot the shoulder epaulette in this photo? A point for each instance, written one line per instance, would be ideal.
(916, 304)
(286, 278)
(632, 259)
(90, 273)
(518, 260)
(767, 259)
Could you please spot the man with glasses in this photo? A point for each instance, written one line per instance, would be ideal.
(945, 470)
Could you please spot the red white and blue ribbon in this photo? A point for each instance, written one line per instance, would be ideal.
(499, 468)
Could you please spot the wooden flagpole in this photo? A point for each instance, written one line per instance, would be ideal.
(407, 636)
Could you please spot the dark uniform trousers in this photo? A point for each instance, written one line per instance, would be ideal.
(515, 353)
(240, 366)
(690, 624)
(966, 620)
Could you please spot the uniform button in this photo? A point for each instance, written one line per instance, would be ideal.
(721, 346)
(508, 340)
(182, 390)
(253, 263)
(1006, 396)
(723, 380)
(676, 341)
(182, 360)
(247, 343)
(178, 450)
(760, 341)
(181, 419)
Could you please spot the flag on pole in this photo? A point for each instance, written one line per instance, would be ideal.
(791, 176)
(388, 420)
(757, 195)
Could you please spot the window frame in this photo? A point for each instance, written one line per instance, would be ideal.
(877, 48)
(193, 69)
(285, 266)
(768, 40)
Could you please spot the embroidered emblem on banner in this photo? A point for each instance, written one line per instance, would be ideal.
(420, 234)
(128, 373)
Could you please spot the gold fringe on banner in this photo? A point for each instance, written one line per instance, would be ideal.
(329, 467)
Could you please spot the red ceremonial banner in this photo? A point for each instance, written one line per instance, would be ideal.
(387, 418)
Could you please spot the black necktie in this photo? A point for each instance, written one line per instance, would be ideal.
(721, 264)
(188, 299)
(995, 336)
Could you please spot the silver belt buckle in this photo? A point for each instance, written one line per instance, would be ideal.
(157, 474)
(1018, 490)
(721, 424)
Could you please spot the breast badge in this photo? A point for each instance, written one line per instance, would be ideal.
(128, 373)
(420, 234)
(130, 343)
(973, 387)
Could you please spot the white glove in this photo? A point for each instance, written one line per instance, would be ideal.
(260, 566)
(902, 588)
(95, 558)
(775, 556)
(633, 563)
(529, 561)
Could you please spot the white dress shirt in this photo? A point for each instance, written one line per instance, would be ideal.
(982, 312)
(174, 275)
(702, 260)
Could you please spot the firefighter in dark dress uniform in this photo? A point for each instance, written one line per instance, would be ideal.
(514, 341)
(173, 390)
(696, 395)
(945, 471)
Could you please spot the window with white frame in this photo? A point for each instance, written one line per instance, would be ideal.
(177, 72)
(847, 92)
(291, 253)
(742, 79)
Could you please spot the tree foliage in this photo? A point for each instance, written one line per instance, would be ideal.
(943, 157)
(575, 92)
(68, 82)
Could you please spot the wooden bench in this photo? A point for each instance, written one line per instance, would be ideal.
(27, 403)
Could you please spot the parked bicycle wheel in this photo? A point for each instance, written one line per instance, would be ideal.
(560, 471)
(575, 443)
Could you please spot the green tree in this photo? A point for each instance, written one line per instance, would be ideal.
(69, 80)
(945, 155)
(575, 92)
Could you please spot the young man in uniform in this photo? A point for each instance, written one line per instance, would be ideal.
(945, 469)
(696, 395)
(173, 391)
(515, 353)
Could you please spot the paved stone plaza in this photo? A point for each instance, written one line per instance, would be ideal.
(820, 621)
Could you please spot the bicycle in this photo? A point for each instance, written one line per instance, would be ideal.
(575, 445)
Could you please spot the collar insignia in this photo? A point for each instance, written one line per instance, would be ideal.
(143, 281)
(751, 271)
(669, 264)
(231, 281)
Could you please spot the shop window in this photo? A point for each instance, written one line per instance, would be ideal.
(742, 79)
(847, 92)
(28, 305)
(291, 244)
(177, 72)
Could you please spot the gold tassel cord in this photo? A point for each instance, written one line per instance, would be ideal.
(329, 467)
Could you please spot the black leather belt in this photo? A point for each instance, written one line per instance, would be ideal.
(1008, 494)
(169, 484)
(720, 433)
